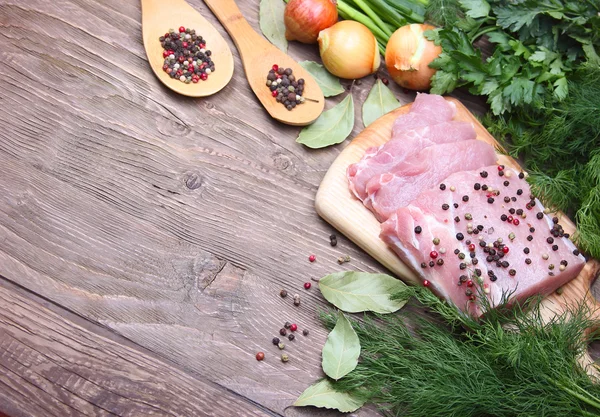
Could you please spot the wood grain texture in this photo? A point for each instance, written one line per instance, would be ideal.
(52, 367)
(339, 207)
(173, 222)
(160, 16)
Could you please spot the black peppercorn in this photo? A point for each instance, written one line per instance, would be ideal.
(457, 219)
(519, 191)
(477, 186)
(550, 240)
(460, 236)
(528, 261)
(506, 183)
(490, 200)
(287, 324)
(445, 206)
(501, 173)
(291, 337)
(282, 332)
(305, 332)
(555, 220)
(531, 229)
(505, 264)
(418, 229)
(507, 199)
(455, 205)
(526, 250)
(463, 278)
(483, 174)
(468, 292)
(529, 238)
(442, 187)
(540, 215)
(489, 258)
(275, 341)
(440, 262)
(554, 248)
(463, 265)
(465, 198)
(513, 199)
(456, 251)
(503, 217)
(283, 293)
(423, 265)
(431, 264)
(512, 272)
(493, 278)
(511, 211)
(484, 187)
(576, 252)
(521, 175)
(478, 272)
(482, 243)
(475, 261)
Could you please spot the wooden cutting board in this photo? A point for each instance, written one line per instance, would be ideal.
(338, 206)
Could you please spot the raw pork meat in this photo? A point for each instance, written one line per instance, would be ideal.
(427, 109)
(390, 191)
(493, 239)
(390, 155)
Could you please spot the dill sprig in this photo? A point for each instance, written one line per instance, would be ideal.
(511, 363)
(561, 148)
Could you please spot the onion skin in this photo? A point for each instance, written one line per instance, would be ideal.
(349, 50)
(304, 19)
(408, 54)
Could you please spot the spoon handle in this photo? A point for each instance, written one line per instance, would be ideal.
(245, 38)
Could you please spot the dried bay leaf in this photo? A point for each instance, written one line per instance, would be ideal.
(380, 101)
(353, 291)
(271, 22)
(323, 395)
(341, 350)
(329, 83)
(333, 126)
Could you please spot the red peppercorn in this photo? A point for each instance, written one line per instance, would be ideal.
(203, 76)
(181, 29)
(167, 35)
(500, 167)
(260, 356)
(307, 285)
(470, 283)
(202, 46)
(195, 80)
(165, 54)
(505, 249)
(312, 258)
(426, 283)
(510, 219)
(275, 67)
(433, 254)
(516, 222)
(165, 67)
(184, 44)
(293, 327)
(181, 59)
(274, 93)
(472, 247)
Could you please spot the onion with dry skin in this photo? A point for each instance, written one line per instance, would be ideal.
(349, 50)
(304, 19)
(408, 54)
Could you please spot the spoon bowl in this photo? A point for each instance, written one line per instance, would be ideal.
(158, 16)
(258, 56)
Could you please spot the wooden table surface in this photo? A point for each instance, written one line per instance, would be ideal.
(145, 236)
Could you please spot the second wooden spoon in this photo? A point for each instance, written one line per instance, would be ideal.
(258, 56)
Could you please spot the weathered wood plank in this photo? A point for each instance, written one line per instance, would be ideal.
(50, 366)
(174, 222)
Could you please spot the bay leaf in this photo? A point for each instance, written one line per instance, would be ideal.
(333, 126)
(322, 394)
(353, 291)
(271, 22)
(341, 350)
(329, 83)
(380, 101)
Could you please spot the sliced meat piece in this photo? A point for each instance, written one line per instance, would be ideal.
(427, 109)
(388, 156)
(516, 248)
(390, 191)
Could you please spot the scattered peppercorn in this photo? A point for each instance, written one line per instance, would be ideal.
(293, 327)
(483, 174)
(343, 259)
(281, 346)
(445, 206)
(477, 186)
(275, 341)
(296, 300)
(418, 229)
(442, 187)
(465, 198)
(423, 265)
(291, 337)
(307, 285)
(512, 272)
(527, 261)
(490, 200)
(305, 332)
(287, 324)
(484, 187)
(284, 357)
(312, 258)
(521, 175)
(282, 331)
(283, 293)
(460, 236)
(526, 251)
(260, 356)
(457, 219)
(540, 215)
(554, 248)
(506, 183)
(436, 241)
(440, 262)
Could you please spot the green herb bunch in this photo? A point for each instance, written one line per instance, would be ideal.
(542, 82)
(508, 364)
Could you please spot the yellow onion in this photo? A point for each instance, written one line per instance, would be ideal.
(408, 54)
(349, 50)
(304, 19)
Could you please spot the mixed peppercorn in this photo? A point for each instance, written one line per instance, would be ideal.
(185, 56)
(284, 86)
(480, 244)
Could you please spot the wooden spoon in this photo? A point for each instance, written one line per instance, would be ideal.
(258, 56)
(158, 16)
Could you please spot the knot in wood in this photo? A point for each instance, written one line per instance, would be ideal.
(193, 181)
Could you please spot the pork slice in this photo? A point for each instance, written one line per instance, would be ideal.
(535, 261)
(392, 190)
(388, 156)
(427, 109)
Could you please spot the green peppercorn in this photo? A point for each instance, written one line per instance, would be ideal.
(281, 346)
(284, 357)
